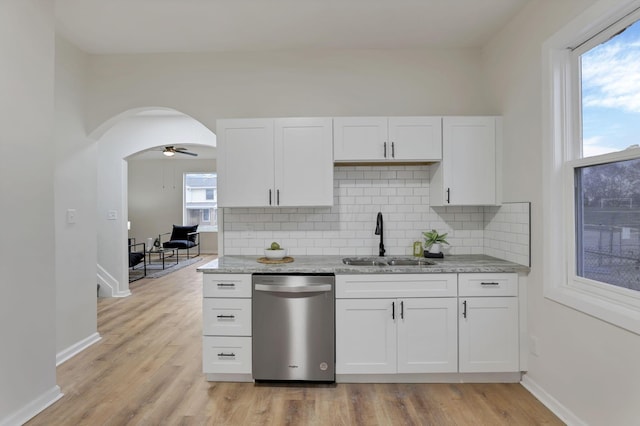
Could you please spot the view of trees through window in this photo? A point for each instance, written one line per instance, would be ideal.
(608, 194)
(201, 201)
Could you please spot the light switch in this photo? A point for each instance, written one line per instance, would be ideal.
(72, 216)
(112, 215)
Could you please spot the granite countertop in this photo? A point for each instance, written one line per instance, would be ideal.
(333, 264)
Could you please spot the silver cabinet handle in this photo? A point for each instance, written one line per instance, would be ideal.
(226, 316)
(489, 283)
(226, 285)
(294, 289)
(222, 354)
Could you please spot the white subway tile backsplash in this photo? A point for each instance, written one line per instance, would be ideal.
(401, 193)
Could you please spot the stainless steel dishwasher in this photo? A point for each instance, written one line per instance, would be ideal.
(293, 327)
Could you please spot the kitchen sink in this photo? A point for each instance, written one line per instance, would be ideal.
(355, 261)
(410, 262)
(386, 261)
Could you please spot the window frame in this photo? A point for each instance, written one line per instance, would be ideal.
(562, 154)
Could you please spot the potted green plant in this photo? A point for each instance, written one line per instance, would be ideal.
(433, 240)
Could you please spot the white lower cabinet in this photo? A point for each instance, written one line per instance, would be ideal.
(385, 324)
(386, 335)
(427, 336)
(365, 336)
(437, 323)
(226, 324)
(378, 336)
(489, 323)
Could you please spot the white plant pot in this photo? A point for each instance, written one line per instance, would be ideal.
(435, 248)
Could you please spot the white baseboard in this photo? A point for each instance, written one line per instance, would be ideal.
(430, 378)
(76, 348)
(551, 403)
(109, 285)
(32, 409)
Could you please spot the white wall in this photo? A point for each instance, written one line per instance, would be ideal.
(75, 189)
(27, 265)
(126, 137)
(291, 83)
(589, 367)
(155, 197)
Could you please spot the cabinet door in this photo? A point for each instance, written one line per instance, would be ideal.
(469, 160)
(303, 162)
(365, 336)
(415, 138)
(488, 334)
(360, 139)
(428, 335)
(245, 162)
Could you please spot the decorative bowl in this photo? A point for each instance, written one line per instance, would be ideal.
(275, 254)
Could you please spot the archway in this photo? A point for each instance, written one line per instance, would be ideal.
(117, 139)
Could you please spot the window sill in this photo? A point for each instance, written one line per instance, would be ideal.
(625, 317)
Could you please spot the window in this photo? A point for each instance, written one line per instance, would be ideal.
(607, 200)
(608, 223)
(201, 201)
(592, 165)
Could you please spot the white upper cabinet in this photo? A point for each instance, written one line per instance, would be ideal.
(468, 173)
(284, 162)
(245, 162)
(382, 139)
(415, 138)
(304, 162)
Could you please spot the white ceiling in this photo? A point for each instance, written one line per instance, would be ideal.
(144, 26)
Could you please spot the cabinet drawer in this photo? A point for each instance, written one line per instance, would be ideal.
(488, 284)
(226, 317)
(226, 355)
(226, 285)
(395, 286)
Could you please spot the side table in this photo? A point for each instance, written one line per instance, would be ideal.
(162, 254)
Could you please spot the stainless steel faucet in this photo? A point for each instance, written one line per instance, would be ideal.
(380, 231)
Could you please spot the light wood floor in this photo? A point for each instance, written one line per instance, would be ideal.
(147, 370)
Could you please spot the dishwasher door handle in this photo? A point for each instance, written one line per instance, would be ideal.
(293, 289)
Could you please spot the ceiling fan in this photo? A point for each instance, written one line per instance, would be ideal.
(170, 151)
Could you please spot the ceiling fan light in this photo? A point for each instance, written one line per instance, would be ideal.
(168, 153)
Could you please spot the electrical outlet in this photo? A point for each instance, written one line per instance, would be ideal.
(534, 346)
